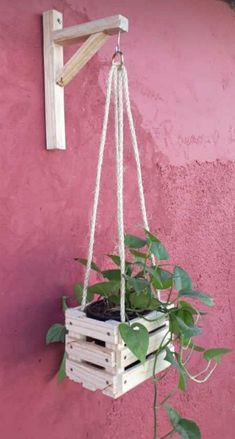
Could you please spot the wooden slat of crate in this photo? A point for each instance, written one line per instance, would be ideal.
(113, 380)
(114, 385)
(87, 351)
(139, 373)
(136, 375)
(125, 357)
(151, 321)
(75, 314)
(92, 332)
(77, 323)
(86, 373)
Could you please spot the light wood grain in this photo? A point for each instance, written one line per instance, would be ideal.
(137, 375)
(111, 368)
(91, 352)
(75, 34)
(54, 95)
(57, 75)
(80, 58)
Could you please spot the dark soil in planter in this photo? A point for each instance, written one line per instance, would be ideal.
(101, 310)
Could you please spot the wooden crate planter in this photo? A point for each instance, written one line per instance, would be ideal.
(98, 359)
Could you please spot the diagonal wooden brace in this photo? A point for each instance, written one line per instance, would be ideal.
(81, 57)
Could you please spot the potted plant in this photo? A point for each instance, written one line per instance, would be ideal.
(162, 319)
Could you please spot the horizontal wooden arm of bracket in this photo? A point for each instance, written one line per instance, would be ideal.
(75, 34)
(80, 58)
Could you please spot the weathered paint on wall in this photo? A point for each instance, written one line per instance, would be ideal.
(181, 61)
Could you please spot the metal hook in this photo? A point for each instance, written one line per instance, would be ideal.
(118, 51)
(118, 47)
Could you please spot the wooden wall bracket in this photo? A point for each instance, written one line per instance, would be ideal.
(93, 36)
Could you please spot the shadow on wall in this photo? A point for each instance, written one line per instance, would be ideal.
(231, 3)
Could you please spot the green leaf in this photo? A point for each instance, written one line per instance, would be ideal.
(138, 284)
(191, 345)
(181, 279)
(161, 279)
(182, 322)
(140, 301)
(83, 261)
(192, 309)
(187, 306)
(61, 373)
(159, 251)
(186, 428)
(172, 358)
(156, 247)
(166, 278)
(105, 288)
(114, 299)
(155, 277)
(78, 292)
(173, 324)
(56, 333)
(173, 415)
(182, 382)
(188, 330)
(64, 303)
(204, 298)
(215, 353)
(136, 338)
(139, 256)
(155, 304)
(116, 261)
(186, 315)
(112, 274)
(132, 241)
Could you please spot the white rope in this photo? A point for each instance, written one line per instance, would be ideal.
(118, 106)
(97, 186)
(136, 150)
(136, 154)
(119, 81)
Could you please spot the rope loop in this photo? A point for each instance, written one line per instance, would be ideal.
(118, 54)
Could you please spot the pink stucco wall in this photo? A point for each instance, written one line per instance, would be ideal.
(181, 60)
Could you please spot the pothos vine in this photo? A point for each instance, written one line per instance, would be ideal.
(166, 288)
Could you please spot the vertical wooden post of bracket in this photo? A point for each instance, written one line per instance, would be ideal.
(54, 94)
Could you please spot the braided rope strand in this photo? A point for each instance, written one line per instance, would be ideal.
(118, 100)
(137, 159)
(136, 150)
(97, 186)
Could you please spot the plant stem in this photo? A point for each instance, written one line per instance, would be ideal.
(168, 397)
(169, 296)
(155, 407)
(145, 260)
(168, 434)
